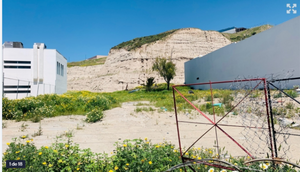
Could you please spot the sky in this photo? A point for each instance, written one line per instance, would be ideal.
(80, 29)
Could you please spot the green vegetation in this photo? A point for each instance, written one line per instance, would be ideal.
(138, 42)
(165, 69)
(235, 37)
(94, 116)
(129, 155)
(138, 109)
(92, 62)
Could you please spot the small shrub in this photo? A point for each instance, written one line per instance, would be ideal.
(292, 93)
(94, 116)
(290, 105)
(279, 95)
(208, 98)
(217, 95)
(4, 125)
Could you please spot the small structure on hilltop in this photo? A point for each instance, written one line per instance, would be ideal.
(31, 71)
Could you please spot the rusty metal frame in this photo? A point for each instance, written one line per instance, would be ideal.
(216, 124)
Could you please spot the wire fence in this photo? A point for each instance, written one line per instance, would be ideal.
(14, 88)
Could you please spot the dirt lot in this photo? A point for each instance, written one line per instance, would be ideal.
(124, 123)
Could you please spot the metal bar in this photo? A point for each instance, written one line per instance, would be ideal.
(177, 124)
(212, 103)
(28, 89)
(194, 106)
(239, 102)
(284, 93)
(219, 82)
(288, 134)
(285, 79)
(17, 90)
(198, 139)
(268, 117)
(272, 120)
(215, 124)
(226, 125)
(235, 141)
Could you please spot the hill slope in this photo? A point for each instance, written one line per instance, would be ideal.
(129, 63)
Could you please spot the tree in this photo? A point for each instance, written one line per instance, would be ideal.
(165, 69)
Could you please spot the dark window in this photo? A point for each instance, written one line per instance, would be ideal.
(197, 78)
(17, 67)
(19, 91)
(18, 62)
(15, 86)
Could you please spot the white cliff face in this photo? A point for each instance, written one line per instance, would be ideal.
(133, 67)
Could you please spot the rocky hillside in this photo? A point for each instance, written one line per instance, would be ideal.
(132, 66)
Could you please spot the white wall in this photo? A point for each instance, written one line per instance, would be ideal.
(61, 81)
(50, 82)
(274, 51)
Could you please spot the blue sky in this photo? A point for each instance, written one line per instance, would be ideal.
(80, 29)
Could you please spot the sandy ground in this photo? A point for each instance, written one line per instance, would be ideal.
(123, 123)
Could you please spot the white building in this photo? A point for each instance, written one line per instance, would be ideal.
(32, 71)
(274, 52)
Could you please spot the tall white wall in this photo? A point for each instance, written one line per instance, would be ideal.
(274, 51)
(61, 81)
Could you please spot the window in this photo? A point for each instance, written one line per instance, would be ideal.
(17, 62)
(17, 67)
(62, 70)
(58, 68)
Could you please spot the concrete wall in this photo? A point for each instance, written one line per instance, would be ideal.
(274, 51)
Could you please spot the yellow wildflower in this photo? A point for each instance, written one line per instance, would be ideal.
(111, 171)
(23, 137)
(78, 169)
(50, 165)
(125, 145)
(235, 164)
(55, 151)
(147, 142)
(44, 163)
(187, 153)
(18, 158)
(46, 147)
(150, 162)
(40, 153)
(127, 164)
(66, 146)
(18, 152)
(116, 168)
(31, 140)
(28, 141)
(146, 138)
(199, 158)
(8, 144)
(59, 161)
(142, 160)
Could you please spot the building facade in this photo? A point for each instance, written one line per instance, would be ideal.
(32, 71)
(274, 52)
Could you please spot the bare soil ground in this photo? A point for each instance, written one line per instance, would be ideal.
(123, 123)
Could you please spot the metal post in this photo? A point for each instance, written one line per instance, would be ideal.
(268, 116)
(37, 90)
(179, 141)
(17, 90)
(212, 103)
(28, 88)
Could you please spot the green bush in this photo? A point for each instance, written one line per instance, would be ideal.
(129, 155)
(94, 116)
(292, 93)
